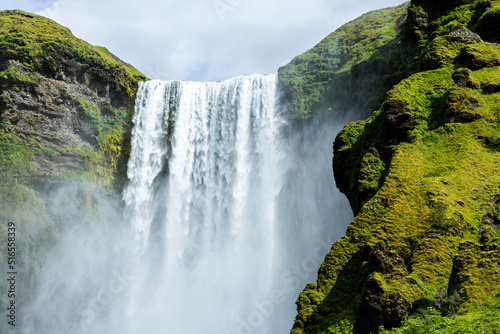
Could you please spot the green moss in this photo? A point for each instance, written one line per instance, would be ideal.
(42, 46)
(362, 45)
(481, 55)
(39, 58)
(16, 160)
(416, 202)
(422, 177)
(108, 164)
(430, 320)
(91, 111)
(13, 76)
(468, 102)
(34, 48)
(370, 172)
(442, 51)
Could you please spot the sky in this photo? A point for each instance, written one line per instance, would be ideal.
(202, 40)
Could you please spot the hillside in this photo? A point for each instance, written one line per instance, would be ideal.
(63, 100)
(422, 254)
(350, 69)
(65, 117)
(65, 106)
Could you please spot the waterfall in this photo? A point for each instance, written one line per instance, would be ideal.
(229, 211)
(202, 195)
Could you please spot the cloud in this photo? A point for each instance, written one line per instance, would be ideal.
(204, 39)
(26, 5)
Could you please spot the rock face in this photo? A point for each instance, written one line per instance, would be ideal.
(421, 255)
(65, 120)
(66, 103)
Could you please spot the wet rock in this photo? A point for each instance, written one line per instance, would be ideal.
(466, 34)
(463, 79)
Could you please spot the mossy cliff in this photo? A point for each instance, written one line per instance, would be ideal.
(351, 69)
(422, 254)
(65, 115)
(65, 109)
(65, 104)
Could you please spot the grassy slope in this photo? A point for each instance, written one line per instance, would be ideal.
(45, 49)
(349, 55)
(422, 254)
(36, 41)
(36, 52)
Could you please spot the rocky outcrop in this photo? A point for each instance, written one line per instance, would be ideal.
(462, 106)
(421, 254)
(66, 103)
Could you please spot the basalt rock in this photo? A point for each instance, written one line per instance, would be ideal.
(466, 34)
(66, 102)
(462, 106)
(492, 88)
(462, 79)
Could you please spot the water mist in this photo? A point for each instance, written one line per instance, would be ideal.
(229, 212)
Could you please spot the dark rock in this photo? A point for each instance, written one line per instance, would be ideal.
(453, 115)
(459, 277)
(436, 8)
(379, 306)
(466, 34)
(492, 217)
(462, 79)
(65, 99)
(459, 264)
(49, 112)
(439, 297)
(381, 260)
(417, 23)
(398, 119)
(380, 309)
(492, 88)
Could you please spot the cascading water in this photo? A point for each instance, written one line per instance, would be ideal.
(202, 196)
(229, 211)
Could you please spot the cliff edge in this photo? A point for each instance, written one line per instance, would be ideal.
(422, 254)
(65, 120)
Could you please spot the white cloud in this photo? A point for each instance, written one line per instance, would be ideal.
(26, 5)
(203, 39)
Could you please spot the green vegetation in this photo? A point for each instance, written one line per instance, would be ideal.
(108, 164)
(16, 77)
(65, 119)
(44, 47)
(422, 254)
(38, 57)
(364, 55)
